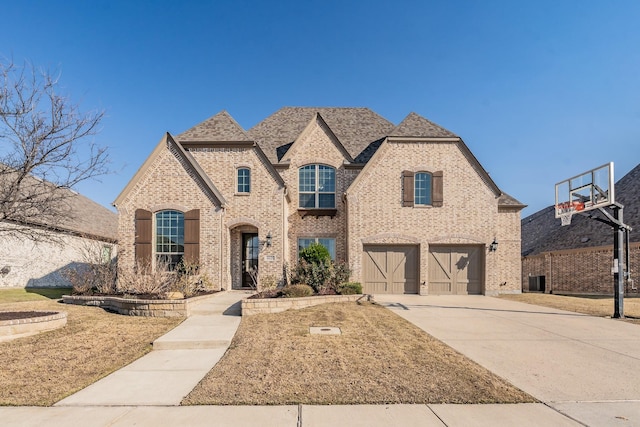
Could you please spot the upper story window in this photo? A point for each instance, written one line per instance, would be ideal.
(169, 238)
(422, 188)
(317, 187)
(244, 180)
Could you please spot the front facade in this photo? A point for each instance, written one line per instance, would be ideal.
(407, 207)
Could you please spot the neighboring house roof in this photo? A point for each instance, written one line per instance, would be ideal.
(542, 232)
(91, 219)
(355, 128)
(83, 216)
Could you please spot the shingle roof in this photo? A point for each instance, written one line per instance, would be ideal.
(507, 200)
(78, 214)
(219, 128)
(91, 218)
(356, 128)
(542, 232)
(415, 125)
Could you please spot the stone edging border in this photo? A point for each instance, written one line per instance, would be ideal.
(138, 307)
(10, 329)
(276, 305)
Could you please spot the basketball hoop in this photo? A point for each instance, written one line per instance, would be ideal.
(565, 217)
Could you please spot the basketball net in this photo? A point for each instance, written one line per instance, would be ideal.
(565, 217)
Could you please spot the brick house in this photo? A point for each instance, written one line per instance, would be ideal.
(577, 259)
(87, 233)
(408, 207)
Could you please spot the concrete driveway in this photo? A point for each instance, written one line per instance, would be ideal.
(584, 367)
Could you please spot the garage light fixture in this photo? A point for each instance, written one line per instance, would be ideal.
(493, 246)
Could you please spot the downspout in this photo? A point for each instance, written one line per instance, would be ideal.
(285, 238)
(222, 263)
(346, 233)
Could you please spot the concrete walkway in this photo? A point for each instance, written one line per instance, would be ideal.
(584, 367)
(581, 368)
(179, 360)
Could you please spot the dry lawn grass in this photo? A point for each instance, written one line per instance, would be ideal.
(42, 369)
(594, 306)
(379, 358)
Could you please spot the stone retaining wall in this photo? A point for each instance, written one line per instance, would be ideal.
(252, 306)
(16, 328)
(137, 307)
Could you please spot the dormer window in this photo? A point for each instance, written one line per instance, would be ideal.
(317, 187)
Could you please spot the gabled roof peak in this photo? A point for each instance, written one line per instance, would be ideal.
(414, 125)
(219, 128)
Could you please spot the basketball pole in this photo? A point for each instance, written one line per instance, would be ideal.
(618, 265)
(620, 268)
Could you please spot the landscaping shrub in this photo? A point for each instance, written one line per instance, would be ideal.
(315, 253)
(315, 274)
(297, 291)
(350, 288)
(88, 279)
(339, 272)
(146, 281)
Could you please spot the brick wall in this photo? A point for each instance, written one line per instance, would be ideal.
(165, 184)
(315, 146)
(579, 271)
(469, 215)
(41, 264)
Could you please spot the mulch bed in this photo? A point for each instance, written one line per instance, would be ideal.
(144, 296)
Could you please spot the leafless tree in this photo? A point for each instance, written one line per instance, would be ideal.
(46, 148)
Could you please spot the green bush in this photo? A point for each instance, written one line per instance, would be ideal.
(297, 291)
(314, 274)
(350, 288)
(315, 253)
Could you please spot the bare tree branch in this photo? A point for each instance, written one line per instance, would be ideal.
(46, 148)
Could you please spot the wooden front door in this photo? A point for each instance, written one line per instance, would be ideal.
(250, 250)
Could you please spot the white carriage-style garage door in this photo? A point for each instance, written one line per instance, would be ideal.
(390, 269)
(456, 270)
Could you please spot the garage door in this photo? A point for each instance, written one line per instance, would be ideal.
(390, 269)
(456, 270)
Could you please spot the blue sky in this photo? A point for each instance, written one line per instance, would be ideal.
(539, 91)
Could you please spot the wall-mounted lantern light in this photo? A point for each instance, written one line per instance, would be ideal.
(493, 246)
(269, 239)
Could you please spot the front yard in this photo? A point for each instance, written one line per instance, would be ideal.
(378, 358)
(600, 306)
(42, 369)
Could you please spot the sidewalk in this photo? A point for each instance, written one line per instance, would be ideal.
(179, 360)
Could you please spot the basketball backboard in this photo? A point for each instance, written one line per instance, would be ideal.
(589, 190)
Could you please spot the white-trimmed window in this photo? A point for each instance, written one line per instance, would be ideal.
(169, 238)
(244, 180)
(422, 188)
(327, 242)
(317, 187)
